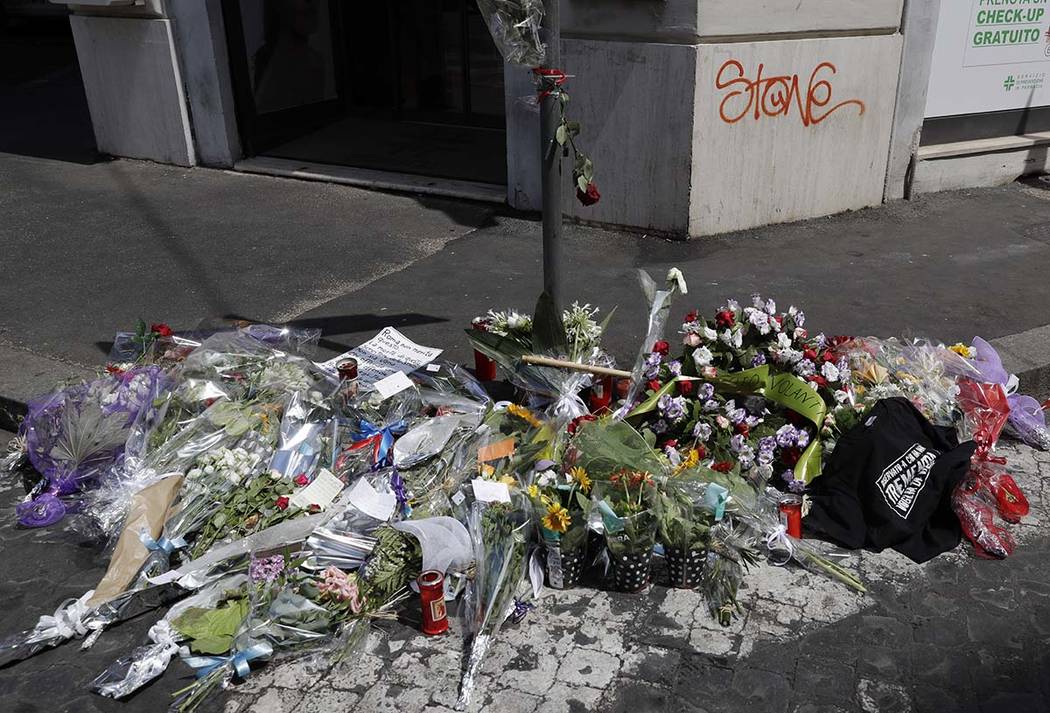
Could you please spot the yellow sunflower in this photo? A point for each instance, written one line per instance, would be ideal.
(533, 491)
(525, 415)
(692, 458)
(962, 350)
(557, 518)
(579, 474)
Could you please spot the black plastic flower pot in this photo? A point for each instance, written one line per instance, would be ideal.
(564, 568)
(684, 567)
(631, 569)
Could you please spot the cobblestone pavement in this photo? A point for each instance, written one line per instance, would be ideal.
(955, 634)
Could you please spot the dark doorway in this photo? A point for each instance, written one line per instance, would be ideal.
(409, 86)
(44, 110)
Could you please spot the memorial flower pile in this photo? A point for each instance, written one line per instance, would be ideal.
(278, 505)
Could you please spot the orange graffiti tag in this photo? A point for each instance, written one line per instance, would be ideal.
(775, 96)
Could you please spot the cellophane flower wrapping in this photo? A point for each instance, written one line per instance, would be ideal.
(76, 436)
(515, 28)
(499, 532)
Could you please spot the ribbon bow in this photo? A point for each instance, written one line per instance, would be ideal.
(164, 544)
(381, 440)
(778, 539)
(66, 622)
(238, 661)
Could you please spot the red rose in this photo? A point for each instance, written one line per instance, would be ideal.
(725, 318)
(790, 456)
(686, 388)
(779, 318)
(114, 369)
(314, 508)
(818, 380)
(301, 479)
(590, 196)
(743, 429)
(661, 347)
(161, 329)
(673, 442)
(810, 353)
(655, 385)
(701, 452)
(691, 317)
(282, 503)
(722, 466)
(574, 424)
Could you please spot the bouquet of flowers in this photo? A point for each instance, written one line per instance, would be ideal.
(499, 532)
(626, 504)
(573, 336)
(561, 506)
(75, 436)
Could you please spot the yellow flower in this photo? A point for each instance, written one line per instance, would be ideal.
(580, 476)
(533, 491)
(557, 518)
(691, 460)
(962, 350)
(525, 415)
(510, 480)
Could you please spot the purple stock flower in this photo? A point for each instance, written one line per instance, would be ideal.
(797, 486)
(675, 367)
(266, 569)
(45, 510)
(710, 405)
(659, 426)
(737, 443)
(652, 365)
(803, 438)
(702, 431)
(705, 392)
(767, 443)
(672, 407)
(787, 436)
(759, 359)
(737, 415)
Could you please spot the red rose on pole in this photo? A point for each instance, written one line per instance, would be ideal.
(590, 196)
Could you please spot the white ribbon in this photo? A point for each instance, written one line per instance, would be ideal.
(66, 622)
(778, 540)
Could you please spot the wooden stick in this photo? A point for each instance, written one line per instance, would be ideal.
(575, 366)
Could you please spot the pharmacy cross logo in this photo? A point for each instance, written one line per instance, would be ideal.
(1008, 83)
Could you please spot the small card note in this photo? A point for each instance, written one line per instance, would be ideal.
(320, 492)
(490, 491)
(393, 384)
(371, 502)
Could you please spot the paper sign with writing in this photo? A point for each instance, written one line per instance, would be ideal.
(382, 355)
(393, 384)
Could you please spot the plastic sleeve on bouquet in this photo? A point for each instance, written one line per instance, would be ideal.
(515, 28)
(499, 533)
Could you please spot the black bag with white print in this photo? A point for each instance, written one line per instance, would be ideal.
(888, 484)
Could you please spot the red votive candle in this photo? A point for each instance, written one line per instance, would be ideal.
(432, 596)
(601, 395)
(791, 506)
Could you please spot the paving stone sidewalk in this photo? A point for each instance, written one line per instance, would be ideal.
(955, 634)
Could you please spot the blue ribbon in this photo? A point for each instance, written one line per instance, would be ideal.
(398, 484)
(366, 429)
(239, 661)
(165, 545)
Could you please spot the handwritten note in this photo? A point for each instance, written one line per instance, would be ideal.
(388, 352)
(320, 492)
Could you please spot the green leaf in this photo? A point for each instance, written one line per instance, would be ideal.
(588, 169)
(561, 135)
(548, 329)
(211, 631)
(581, 183)
(563, 98)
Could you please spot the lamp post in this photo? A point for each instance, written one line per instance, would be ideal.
(550, 160)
